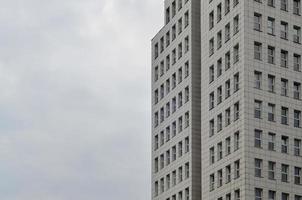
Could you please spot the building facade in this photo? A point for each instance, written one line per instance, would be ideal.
(226, 111)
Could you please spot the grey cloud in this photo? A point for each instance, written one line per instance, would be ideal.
(74, 101)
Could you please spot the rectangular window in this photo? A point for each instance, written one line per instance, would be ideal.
(271, 3)
(226, 6)
(257, 21)
(284, 58)
(219, 40)
(284, 144)
(271, 26)
(212, 155)
(258, 168)
(219, 67)
(271, 141)
(211, 128)
(271, 112)
(219, 151)
(297, 175)
(296, 7)
(220, 179)
(187, 19)
(271, 195)
(271, 54)
(211, 20)
(258, 138)
(297, 118)
(258, 194)
(187, 145)
(284, 115)
(271, 83)
(297, 147)
(219, 95)
(227, 89)
(211, 47)
(284, 30)
(257, 79)
(227, 61)
(211, 101)
(212, 182)
(271, 170)
(237, 169)
(237, 194)
(257, 109)
(284, 5)
(228, 174)
(219, 122)
(236, 53)
(228, 146)
(219, 13)
(297, 62)
(236, 141)
(236, 24)
(211, 74)
(284, 196)
(236, 82)
(257, 51)
(297, 34)
(227, 32)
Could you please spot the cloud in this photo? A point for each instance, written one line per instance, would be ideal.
(75, 99)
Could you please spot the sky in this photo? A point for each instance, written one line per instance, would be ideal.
(75, 98)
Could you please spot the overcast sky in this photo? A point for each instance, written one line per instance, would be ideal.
(75, 98)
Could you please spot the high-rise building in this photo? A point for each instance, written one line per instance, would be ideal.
(226, 101)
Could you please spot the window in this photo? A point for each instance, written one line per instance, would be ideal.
(211, 74)
(211, 100)
(227, 32)
(271, 83)
(156, 165)
(219, 67)
(173, 153)
(179, 4)
(156, 119)
(271, 141)
(173, 32)
(236, 141)
(187, 145)
(162, 185)
(237, 169)
(219, 14)
(219, 181)
(258, 138)
(271, 26)
(297, 175)
(257, 109)
(258, 167)
(211, 128)
(156, 73)
(219, 40)
(168, 181)
(156, 142)
(179, 99)
(167, 15)
(173, 80)
(179, 124)
(167, 62)
(180, 75)
(179, 50)
(187, 44)
(284, 87)
(284, 115)
(219, 122)
(271, 3)
(156, 96)
(228, 196)
(162, 91)
(212, 155)
(187, 70)
(187, 119)
(236, 24)
(167, 109)
(168, 86)
(212, 182)
(271, 54)
(187, 170)
(271, 112)
(297, 147)
(235, 2)
(180, 174)
(173, 56)
(284, 5)
(284, 30)
(284, 58)
(227, 89)
(226, 6)
(187, 194)
(173, 104)
(297, 34)
(174, 178)
(271, 170)
(296, 7)
(186, 18)
(162, 44)
(284, 196)
(156, 50)
(271, 195)
(167, 133)
(284, 144)
(228, 146)
(257, 79)
(228, 174)
(227, 61)
(257, 51)
(236, 53)
(297, 118)
(236, 82)
(174, 129)
(219, 151)
(162, 161)
(257, 21)
(211, 20)
(167, 38)
(156, 188)
(187, 94)
(297, 197)
(211, 46)
(173, 9)
(237, 194)
(297, 62)
(258, 194)
(219, 95)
